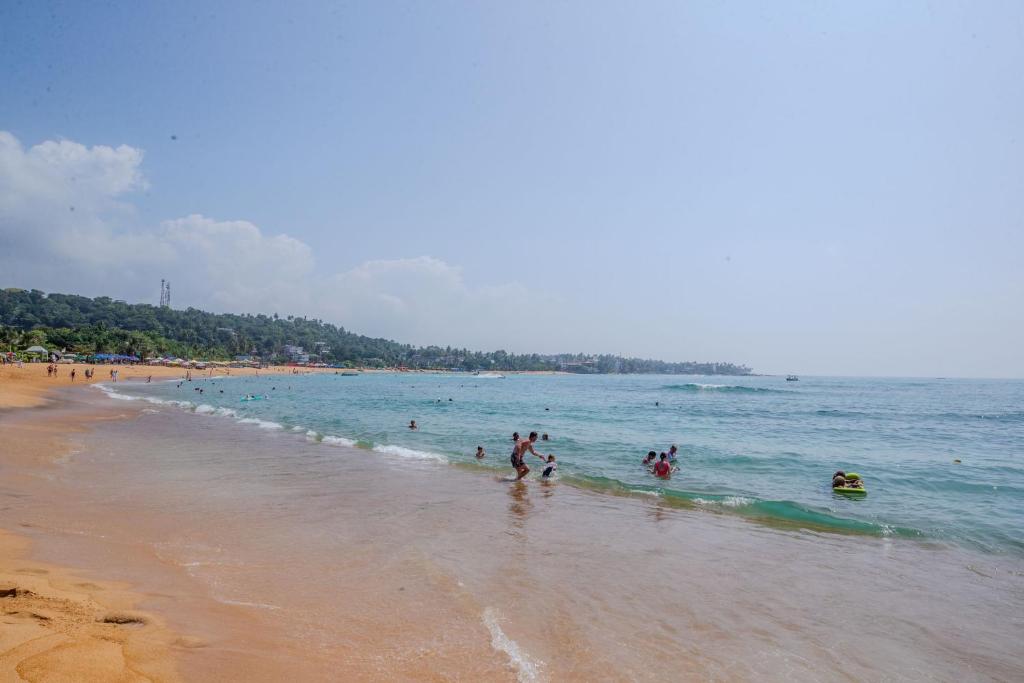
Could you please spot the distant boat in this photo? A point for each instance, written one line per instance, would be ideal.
(349, 373)
(792, 378)
(489, 375)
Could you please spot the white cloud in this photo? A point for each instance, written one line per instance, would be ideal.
(66, 226)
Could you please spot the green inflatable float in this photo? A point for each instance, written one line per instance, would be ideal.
(854, 486)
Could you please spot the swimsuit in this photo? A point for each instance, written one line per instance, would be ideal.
(517, 460)
(550, 469)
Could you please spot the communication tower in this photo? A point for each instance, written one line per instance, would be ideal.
(165, 294)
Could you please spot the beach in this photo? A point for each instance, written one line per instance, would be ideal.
(233, 550)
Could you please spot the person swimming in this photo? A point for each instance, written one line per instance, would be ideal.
(480, 453)
(842, 480)
(412, 425)
(649, 460)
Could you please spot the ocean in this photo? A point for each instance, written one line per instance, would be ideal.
(943, 459)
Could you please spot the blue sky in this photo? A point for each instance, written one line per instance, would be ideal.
(803, 187)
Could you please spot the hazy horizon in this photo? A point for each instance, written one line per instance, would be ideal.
(821, 191)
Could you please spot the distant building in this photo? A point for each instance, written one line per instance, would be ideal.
(296, 354)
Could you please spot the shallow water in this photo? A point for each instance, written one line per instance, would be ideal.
(755, 446)
(351, 564)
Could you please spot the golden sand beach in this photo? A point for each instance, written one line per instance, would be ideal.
(58, 626)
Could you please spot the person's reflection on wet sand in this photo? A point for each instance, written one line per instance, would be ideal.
(520, 506)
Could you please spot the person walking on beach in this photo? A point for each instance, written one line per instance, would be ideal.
(72, 374)
(518, 453)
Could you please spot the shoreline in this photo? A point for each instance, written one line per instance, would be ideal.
(371, 558)
(58, 620)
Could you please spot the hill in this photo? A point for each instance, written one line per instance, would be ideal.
(103, 325)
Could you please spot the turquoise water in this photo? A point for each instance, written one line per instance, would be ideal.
(755, 446)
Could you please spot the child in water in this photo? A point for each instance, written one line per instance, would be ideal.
(480, 453)
(549, 467)
(649, 460)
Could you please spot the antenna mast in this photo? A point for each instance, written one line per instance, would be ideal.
(165, 294)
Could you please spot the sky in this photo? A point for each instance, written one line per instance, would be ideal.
(815, 188)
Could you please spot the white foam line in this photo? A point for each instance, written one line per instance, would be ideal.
(109, 391)
(409, 453)
(526, 669)
(262, 424)
(337, 441)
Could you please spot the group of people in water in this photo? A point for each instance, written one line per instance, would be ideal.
(661, 468)
(662, 465)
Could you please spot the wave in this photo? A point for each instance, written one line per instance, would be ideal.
(112, 393)
(207, 409)
(840, 413)
(723, 388)
(777, 513)
(262, 424)
(403, 452)
(1010, 417)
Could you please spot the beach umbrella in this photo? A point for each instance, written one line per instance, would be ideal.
(36, 349)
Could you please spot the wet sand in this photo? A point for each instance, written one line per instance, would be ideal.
(273, 557)
(57, 624)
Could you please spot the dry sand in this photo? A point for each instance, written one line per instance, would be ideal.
(26, 387)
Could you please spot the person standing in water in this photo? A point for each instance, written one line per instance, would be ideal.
(412, 425)
(662, 470)
(518, 453)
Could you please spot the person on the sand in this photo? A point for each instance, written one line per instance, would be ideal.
(519, 450)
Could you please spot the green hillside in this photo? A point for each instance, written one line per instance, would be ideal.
(102, 325)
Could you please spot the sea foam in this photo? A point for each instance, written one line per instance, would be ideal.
(526, 668)
(403, 452)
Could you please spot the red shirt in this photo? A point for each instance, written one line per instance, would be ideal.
(662, 469)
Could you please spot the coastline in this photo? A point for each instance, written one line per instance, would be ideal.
(269, 556)
(59, 622)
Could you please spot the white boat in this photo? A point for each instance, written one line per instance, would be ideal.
(489, 375)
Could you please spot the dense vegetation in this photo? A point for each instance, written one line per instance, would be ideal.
(102, 325)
